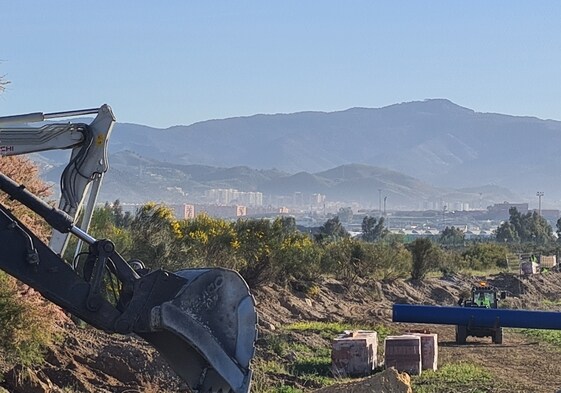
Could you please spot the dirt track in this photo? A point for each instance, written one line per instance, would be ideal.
(91, 361)
(521, 364)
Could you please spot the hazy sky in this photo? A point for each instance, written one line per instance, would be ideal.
(163, 63)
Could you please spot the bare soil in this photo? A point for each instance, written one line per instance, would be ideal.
(520, 364)
(87, 360)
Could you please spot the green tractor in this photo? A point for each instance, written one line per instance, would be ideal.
(483, 295)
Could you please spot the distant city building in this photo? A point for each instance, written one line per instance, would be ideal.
(317, 199)
(221, 211)
(228, 196)
(190, 211)
(183, 211)
(500, 210)
(460, 206)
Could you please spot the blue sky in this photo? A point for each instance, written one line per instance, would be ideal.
(177, 62)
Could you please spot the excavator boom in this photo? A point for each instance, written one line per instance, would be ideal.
(202, 321)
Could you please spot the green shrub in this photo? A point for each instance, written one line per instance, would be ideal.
(391, 261)
(276, 252)
(425, 257)
(26, 327)
(484, 256)
(451, 262)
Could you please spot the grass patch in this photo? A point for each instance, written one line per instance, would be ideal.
(286, 389)
(269, 366)
(550, 303)
(311, 363)
(483, 272)
(549, 336)
(455, 377)
(278, 343)
(312, 366)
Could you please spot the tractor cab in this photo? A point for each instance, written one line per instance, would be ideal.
(483, 295)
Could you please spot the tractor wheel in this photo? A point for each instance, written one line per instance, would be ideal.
(461, 334)
(498, 337)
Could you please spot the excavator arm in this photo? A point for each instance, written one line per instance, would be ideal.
(88, 162)
(202, 321)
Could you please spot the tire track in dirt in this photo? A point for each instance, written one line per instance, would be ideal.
(520, 364)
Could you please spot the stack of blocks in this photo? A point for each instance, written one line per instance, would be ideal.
(412, 353)
(354, 354)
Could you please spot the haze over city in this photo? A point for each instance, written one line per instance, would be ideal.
(183, 63)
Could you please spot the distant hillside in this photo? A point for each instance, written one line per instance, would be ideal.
(134, 178)
(434, 142)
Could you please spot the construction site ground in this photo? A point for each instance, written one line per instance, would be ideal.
(87, 360)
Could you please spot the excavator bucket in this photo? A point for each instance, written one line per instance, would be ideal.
(203, 321)
(208, 330)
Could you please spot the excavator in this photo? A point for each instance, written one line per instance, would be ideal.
(202, 321)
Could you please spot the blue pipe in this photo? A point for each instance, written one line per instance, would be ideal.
(480, 317)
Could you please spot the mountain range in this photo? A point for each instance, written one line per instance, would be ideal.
(418, 150)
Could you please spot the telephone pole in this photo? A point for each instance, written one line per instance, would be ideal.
(380, 201)
(385, 199)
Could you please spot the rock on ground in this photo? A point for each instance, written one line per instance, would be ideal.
(388, 381)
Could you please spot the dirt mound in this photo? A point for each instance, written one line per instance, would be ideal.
(388, 381)
(364, 301)
(538, 291)
(92, 361)
(88, 360)
(371, 302)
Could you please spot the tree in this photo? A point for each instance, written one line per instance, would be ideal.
(372, 229)
(529, 227)
(23, 171)
(347, 259)
(104, 225)
(424, 257)
(486, 255)
(506, 233)
(452, 236)
(332, 230)
(120, 219)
